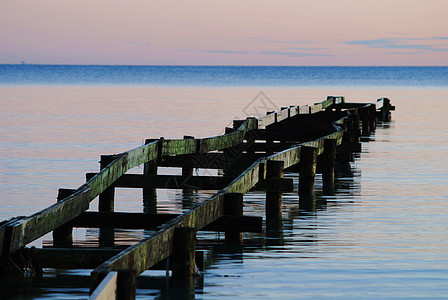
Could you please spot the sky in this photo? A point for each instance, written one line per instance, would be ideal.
(215, 32)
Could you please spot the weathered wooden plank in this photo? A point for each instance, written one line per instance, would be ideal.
(172, 182)
(152, 250)
(304, 109)
(333, 100)
(246, 180)
(222, 141)
(327, 103)
(283, 115)
(179, 147)
(149, 221)
(318, 144)
(290, 156)
(141, 155)
(107, 289)
(379, 103)
(315, 108)
(33, 227)
(267, 120)
(25, 230)
(124, 162)
(90, 258)
(140, 256)
(190, 146)
(293, 110)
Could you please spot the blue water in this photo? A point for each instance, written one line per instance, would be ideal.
(223, 75)
(383, 235)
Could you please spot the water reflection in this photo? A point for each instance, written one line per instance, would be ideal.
(385, 229)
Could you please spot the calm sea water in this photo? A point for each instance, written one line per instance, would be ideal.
(384, 235)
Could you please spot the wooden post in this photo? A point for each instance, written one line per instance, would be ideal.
(274, 169)
(106, 204)
(307, 172)
(328, 166)
(269, 142)
(384, 114)
(184, 247)
(150, 194)
(233, 206)
(187, 193)
(372, 115)
(355, 131)
(62, 236)
(274, 222)
(106, 198)
(365, 115)
(126, 284)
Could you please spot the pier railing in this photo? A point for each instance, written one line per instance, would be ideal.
(262, 171)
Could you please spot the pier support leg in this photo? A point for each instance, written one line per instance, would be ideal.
(150, 194)
(307, 173)
(372, 115)
(384, 115)
(274, 222)
(106, 199)
(106, 204)
(274, 169)
(62, 236)
(328, 166)
(233, 206)
(184, 247)
(355, 130)
(307, 170)
(187, 193)
(365, 119)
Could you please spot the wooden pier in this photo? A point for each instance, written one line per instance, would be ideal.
(253, 155)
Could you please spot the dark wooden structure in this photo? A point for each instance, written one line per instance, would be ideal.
(254, 154)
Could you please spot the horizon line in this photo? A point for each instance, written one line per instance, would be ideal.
(211, 65)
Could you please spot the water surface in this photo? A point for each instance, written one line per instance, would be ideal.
(382, 236)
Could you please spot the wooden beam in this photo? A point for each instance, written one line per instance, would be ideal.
(90, 258)
(152, 250)
(153, 221)
(172, 182)
(233, 206)
(246, 180)
(24, 230)
(27, 229)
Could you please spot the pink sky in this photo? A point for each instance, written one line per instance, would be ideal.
(245, 32)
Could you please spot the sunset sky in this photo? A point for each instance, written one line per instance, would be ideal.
(244, 32)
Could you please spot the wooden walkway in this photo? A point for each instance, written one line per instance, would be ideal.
(254, 154)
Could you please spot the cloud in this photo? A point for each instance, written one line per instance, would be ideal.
(278, 53)
(300, 54)
(308, 49)
(423, 44)
(216, 51)
(227, 52)
(262, 40)
(141, 44)
(404, 53)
